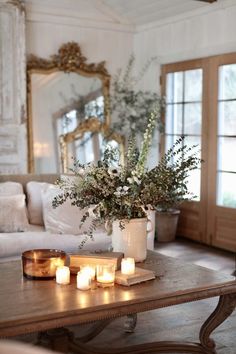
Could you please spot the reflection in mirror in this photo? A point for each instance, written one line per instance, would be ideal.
(68, 113)
(89, 148)
(87, 143)
(60, 102)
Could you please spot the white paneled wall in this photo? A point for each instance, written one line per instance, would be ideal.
(195, 35)
(102, 35)
(13, 142)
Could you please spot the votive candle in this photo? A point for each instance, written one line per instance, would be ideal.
(83, 281)
(127, 266)
(90, 270)
(63, 275)
(106, 274)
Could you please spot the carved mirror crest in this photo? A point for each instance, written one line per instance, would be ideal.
(68, 110)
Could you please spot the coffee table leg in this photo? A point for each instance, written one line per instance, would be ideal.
(225, 307)
(57, 339)
(94, 331)
(130, 323)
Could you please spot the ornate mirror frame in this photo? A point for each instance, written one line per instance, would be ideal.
(69, 59)
(92, 125)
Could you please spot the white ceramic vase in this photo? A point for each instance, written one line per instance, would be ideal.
(132, 240)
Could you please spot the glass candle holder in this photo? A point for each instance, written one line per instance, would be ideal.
(105, 275)
(127, 266)
(83, 281)
(41, 264)
(63, 275)
(89, 269)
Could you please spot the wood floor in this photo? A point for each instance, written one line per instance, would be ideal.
(205, 256)
(181, 321)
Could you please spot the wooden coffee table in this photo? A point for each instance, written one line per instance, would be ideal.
(35, 306)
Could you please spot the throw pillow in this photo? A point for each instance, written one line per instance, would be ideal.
(65, 219)
(13, 216)
(34, 201)
(10, 188)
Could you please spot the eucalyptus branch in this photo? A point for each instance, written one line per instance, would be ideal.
(130, 107)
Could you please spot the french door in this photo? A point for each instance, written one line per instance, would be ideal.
(201, 105)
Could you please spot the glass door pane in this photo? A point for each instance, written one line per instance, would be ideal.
(226, 137)
(184, 114)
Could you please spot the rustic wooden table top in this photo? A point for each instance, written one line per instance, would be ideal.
(30, 305)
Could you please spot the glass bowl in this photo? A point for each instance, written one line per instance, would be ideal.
(42, 263)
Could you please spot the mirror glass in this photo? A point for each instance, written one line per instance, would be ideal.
(68, 111)
(60, 102)
(88, 148)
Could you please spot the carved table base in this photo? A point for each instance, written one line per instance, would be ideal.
(63, 340)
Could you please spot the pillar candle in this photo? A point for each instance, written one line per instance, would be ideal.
(83, 281)
(127, 266)
(63, 275)
(88, 269)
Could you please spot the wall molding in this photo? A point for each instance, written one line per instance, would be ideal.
(208, 9)
(43, 14)
(12, 87)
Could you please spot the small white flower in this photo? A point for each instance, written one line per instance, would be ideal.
(113, 171)
(118, 191)
(91, 212)
(121, 191)
(125, 188)
(130, 180)
(81, 171)
(137, 180)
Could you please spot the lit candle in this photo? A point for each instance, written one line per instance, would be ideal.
(83, 281)
(89, 270)
(106, 274)
(127, 266)
(63, 275)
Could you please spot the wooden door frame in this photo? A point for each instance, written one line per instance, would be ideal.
(201, 206)
(213, 211)
(207, 205)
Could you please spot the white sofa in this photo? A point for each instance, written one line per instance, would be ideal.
(14, 243)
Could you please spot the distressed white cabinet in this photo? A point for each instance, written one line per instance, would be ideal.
(13, 128)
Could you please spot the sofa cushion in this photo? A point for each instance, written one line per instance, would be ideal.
(34, 201)
(12, 245)
(66, 218)
(13, 216)
(10, 188)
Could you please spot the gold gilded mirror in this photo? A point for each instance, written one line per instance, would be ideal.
(68, 111)
(87, 143)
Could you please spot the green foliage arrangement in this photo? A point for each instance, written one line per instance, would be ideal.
(129, 105)
(109, 191)
(166, 185)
